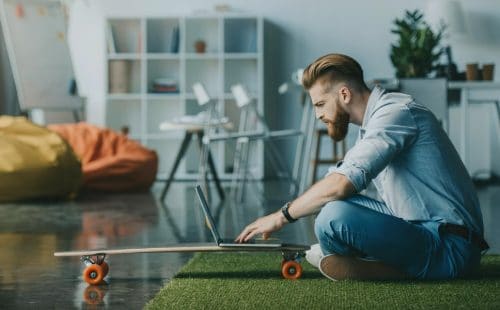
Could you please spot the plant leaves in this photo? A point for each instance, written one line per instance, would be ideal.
(417, 49)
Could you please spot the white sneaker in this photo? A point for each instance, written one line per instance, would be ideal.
(314, 255)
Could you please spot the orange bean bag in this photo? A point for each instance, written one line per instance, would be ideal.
(110, 160)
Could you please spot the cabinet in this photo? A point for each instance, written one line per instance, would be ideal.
(152, 63)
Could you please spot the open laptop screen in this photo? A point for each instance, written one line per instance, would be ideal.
(208, 215)
(215, 233)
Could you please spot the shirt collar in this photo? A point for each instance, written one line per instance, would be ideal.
(375, 95)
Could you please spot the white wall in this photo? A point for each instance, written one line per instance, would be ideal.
(297, 32)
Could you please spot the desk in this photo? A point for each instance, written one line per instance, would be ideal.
(466, 90)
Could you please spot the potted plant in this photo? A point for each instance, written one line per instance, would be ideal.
(200, 46)
(417, 50)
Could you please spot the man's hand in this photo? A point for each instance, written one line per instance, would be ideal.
(333, 187)
(264, 225)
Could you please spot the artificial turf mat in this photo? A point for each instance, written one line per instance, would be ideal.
(253, 281)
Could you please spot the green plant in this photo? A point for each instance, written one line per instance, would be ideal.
(417, 49)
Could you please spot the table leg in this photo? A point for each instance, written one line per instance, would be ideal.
(180, 154)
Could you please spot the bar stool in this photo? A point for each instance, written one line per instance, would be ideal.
(339, 149)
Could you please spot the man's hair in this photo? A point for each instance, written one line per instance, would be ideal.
(335, 68)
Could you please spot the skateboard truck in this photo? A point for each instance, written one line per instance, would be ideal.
(93, 259)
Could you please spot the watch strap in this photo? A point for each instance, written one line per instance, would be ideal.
(287, 215)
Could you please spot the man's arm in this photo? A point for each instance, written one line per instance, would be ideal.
(333, 187)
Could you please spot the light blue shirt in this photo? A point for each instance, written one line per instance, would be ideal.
(404, 151)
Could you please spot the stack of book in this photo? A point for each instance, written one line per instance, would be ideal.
(164, 85)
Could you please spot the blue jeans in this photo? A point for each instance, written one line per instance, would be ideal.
(363, 227)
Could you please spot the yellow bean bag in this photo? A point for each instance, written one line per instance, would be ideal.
(35, 162)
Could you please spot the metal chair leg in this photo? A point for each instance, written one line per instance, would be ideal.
(211, 166)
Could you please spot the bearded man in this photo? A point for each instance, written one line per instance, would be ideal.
(428, 224)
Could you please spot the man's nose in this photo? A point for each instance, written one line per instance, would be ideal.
(318, 114)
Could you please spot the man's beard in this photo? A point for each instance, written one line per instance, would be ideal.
(337, 129)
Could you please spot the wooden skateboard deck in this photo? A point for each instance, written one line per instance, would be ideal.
(97, 268)
(188, 247)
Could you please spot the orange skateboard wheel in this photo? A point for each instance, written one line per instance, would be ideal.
(93, 274)
(105, 268)
(291, 270)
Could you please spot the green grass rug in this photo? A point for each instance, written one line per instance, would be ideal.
(253, 281)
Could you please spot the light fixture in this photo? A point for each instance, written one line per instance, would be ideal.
(201, 94)
(240, 95)
(296, 79)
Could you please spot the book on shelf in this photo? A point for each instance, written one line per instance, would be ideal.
(165, 85)
(139, 42)
(110, 40)
(174, 43)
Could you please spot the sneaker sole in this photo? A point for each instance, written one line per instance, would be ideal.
(337, 267)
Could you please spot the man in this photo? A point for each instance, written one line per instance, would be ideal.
(429, 224)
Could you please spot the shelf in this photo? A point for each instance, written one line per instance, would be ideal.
(124, 76)
(202, 56)
(124, 113)
(192, 107)
(205, 71)
(163, 35)
(163, 96)
(124, 56)
(124, 96)
(241, 56)
(125, 35)
(204, 29)
(167, 70)
(241, 71)
(240, 35)
(152, 65)
(160, 56)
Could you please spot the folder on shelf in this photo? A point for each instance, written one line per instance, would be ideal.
(110, 40)
(174, 46)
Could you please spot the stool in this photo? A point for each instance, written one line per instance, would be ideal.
(339, 149)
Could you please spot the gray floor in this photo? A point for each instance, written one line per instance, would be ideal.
(30, 277)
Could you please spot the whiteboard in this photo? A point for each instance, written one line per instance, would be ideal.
(36, 41)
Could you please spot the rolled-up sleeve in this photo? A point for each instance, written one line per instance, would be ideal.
(390, 129)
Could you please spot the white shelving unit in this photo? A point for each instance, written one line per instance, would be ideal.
(147, 49)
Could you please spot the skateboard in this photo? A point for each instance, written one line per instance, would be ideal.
(96, 268)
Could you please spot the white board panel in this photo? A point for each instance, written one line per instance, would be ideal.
(35, 34)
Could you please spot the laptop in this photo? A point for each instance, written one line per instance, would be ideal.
(228, 242)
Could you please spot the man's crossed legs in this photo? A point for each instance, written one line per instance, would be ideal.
(360, 239)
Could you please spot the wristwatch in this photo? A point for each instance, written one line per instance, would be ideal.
(287, 215)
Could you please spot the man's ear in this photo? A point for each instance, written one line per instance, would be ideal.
(345, 94)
